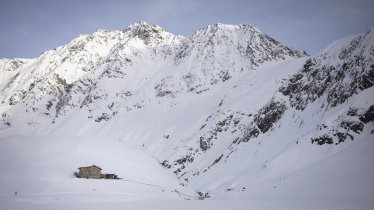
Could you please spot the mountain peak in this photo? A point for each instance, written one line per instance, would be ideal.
(145, 31)
(142, 26)
(229, 27)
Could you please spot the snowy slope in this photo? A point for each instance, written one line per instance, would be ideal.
(39, 170)
(230, 113)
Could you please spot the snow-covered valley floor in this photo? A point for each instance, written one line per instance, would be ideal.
(37, 173)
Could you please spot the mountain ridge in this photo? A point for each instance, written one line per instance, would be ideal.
(84, 55)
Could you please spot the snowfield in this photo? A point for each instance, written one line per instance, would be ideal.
(41, 173)
(226, 118)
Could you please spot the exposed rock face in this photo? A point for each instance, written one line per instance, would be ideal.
(337, 73)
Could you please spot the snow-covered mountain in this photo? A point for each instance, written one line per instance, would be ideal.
(233, 113)
(125, 70)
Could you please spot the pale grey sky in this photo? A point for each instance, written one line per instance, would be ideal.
(28, 28)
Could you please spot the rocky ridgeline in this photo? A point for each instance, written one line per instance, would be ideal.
(350, 70)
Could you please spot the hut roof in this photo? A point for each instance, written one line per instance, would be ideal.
(90, 167)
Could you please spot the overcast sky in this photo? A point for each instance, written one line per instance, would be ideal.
(29, 27)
